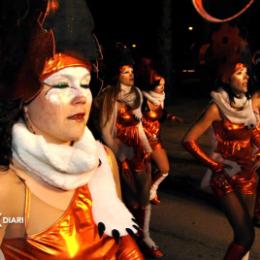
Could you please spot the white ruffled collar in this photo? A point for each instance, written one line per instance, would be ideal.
(154, 97)
(241, 111)
(62, 166)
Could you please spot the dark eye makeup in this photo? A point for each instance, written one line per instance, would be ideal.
(84, 86)
(61, 85)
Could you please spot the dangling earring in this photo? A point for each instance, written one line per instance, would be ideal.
(27, 120)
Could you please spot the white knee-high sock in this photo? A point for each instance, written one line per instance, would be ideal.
(156, 184)
(146, 228)
(246, 257)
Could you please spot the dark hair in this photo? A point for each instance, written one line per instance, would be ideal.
(10, 112)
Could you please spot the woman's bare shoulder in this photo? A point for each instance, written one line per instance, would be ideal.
(211, 112)
(256, 99)
(11, 191)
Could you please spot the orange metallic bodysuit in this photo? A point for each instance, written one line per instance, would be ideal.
(73, 236)
(152, 125)
(235, 143)
(127, 131)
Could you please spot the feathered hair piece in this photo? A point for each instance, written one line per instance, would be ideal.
(228, 49)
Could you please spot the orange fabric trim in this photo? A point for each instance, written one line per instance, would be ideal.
(27, 206)
(60, 61)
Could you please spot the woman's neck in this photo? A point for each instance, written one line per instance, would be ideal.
(49, 139)
(125, 88)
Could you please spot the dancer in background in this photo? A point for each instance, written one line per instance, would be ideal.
(122, 130)
(234, 117)
(154, 113)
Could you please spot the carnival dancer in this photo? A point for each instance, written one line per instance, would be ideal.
(55, 176)
(123, 132)
(154, 113)
(234, 118)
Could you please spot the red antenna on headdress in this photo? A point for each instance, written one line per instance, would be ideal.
(53, 6)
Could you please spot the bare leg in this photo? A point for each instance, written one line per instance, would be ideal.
(241, 223)
(160, 158)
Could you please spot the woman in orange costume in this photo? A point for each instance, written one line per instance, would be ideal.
(58, 184)
(123, 132)
(153, 114)
(234, 117)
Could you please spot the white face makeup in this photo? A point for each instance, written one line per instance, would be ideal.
(126, 76)
(61, 110)
(67, 84)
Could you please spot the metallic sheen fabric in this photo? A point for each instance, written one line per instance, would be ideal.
(236, 142)
(60, 61)
(127, 132)
(152, 126)
(194, 148)
(73, 236)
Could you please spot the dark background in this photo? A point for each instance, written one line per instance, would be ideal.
(159, 28)
(139, 21)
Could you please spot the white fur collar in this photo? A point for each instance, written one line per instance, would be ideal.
(62, 166)
(156, 98)
(107, 207)
(245, 115)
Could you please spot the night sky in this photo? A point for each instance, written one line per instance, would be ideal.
(140, 21)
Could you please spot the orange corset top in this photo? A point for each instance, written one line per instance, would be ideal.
(152, 114)
(73, 236)
(234, 141)
(125, 116)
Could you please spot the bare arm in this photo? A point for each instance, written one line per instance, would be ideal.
(196, 131)
(204, 122)
(256, 100)
(11, 199)
(5, 209)
(115, 171)
(256, 130)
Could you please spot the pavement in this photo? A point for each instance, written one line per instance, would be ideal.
(188, 223)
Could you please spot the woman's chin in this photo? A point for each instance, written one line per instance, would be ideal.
(73, 136)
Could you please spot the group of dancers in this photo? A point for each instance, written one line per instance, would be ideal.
(65, 185)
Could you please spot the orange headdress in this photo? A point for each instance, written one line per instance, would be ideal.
(52, 49)
(60, 61)
(229, 51)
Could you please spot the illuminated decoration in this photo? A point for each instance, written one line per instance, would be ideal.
(198, 4)
(190, 28)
